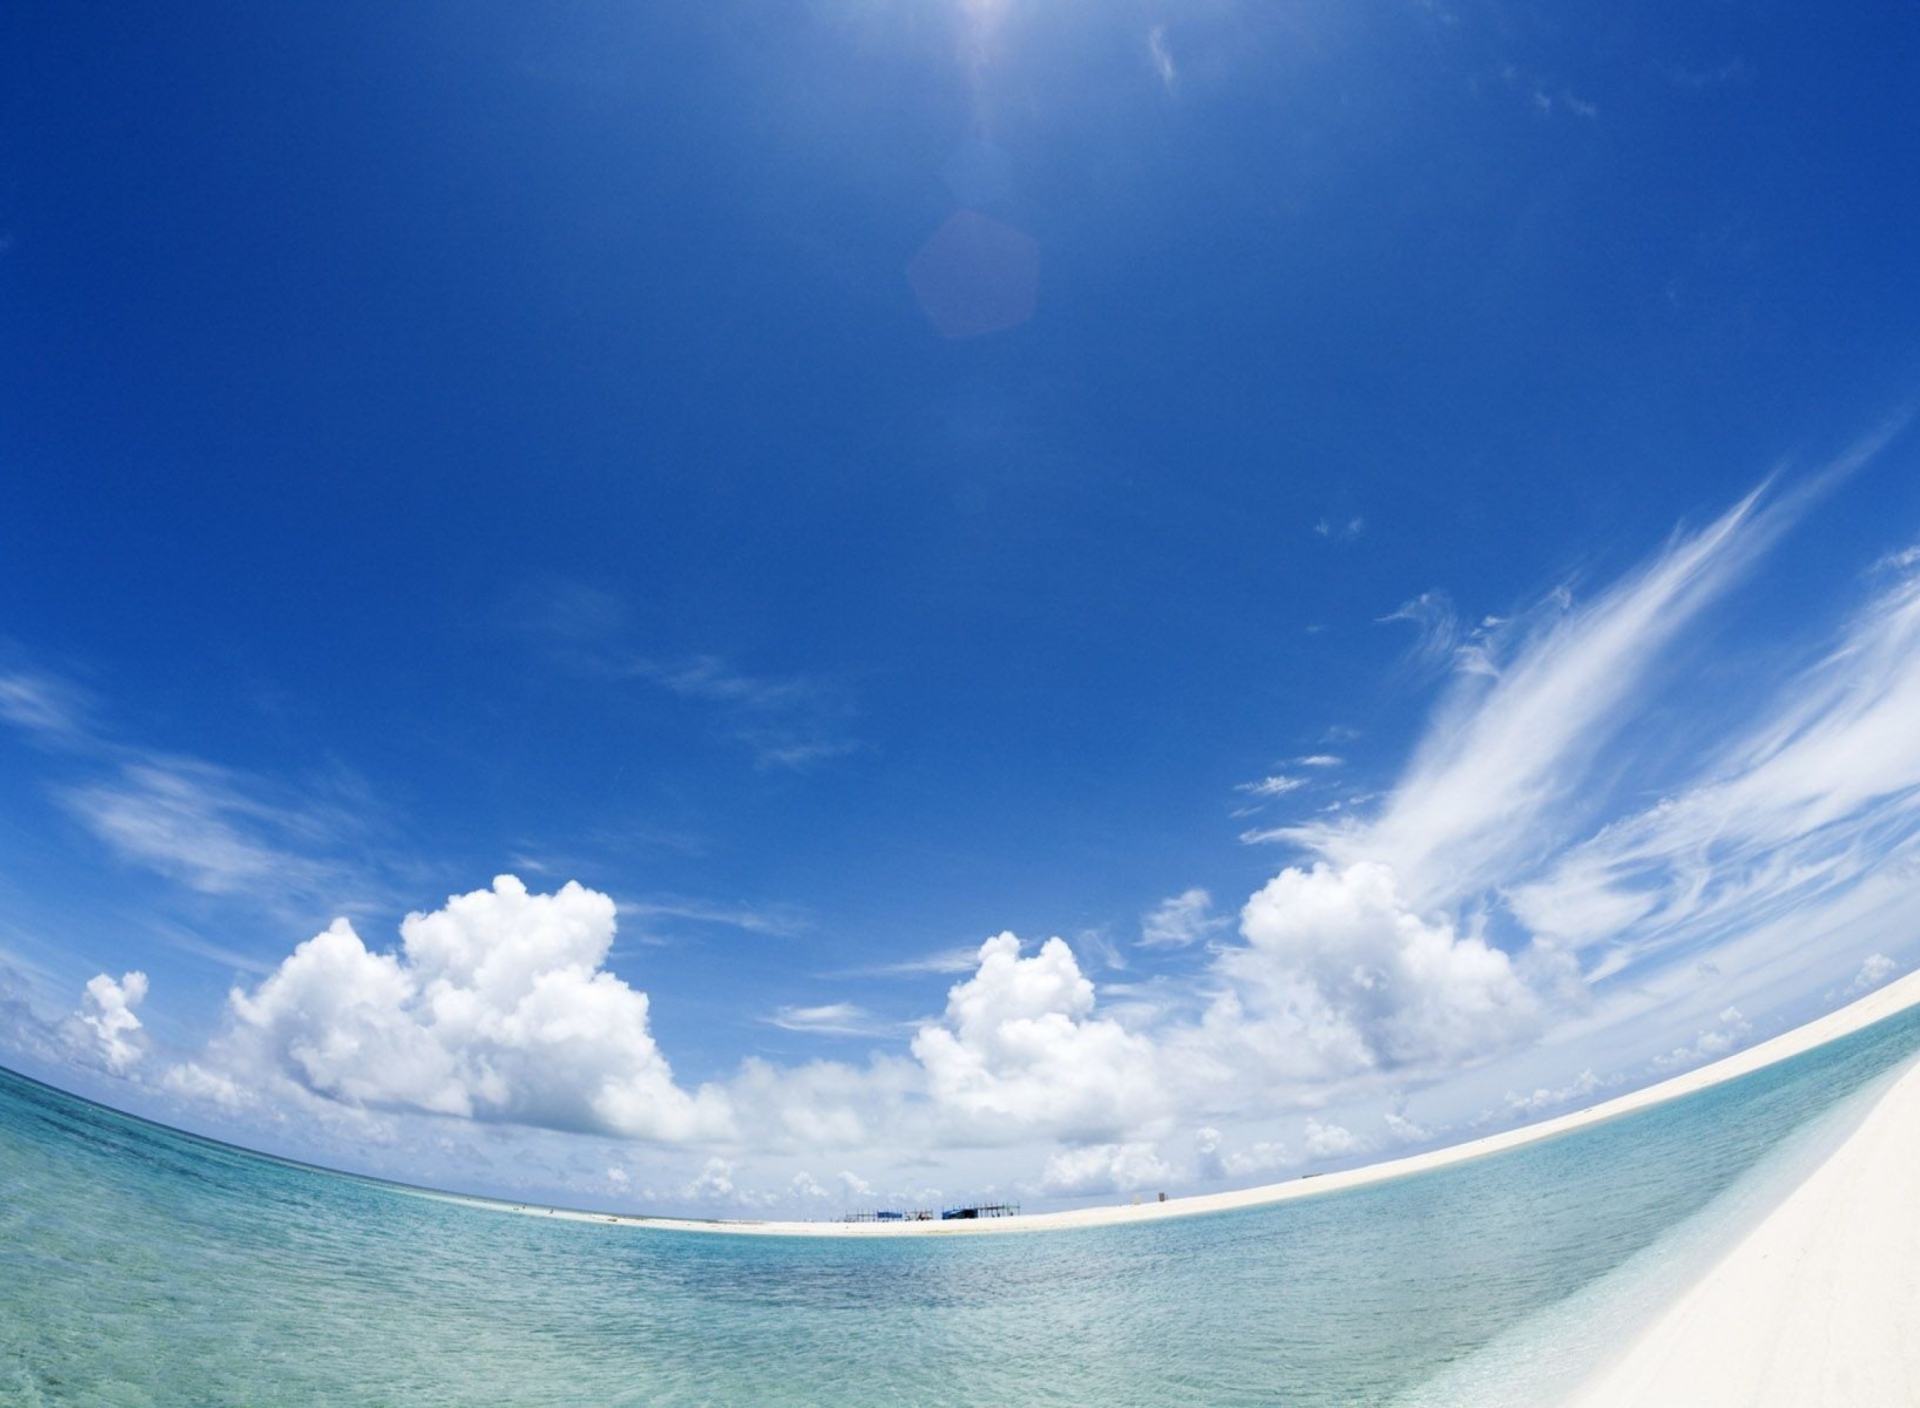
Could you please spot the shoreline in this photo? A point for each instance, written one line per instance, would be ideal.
(1815, 1303)
(1895, 997)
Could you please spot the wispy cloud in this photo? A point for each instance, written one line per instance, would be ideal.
(791, 722)
(1275, 785)
(959, 959)
(203, 826)
(46, 708)
(1183, 919)
(1734, 70)
(1437, 627)
(1161, 54)
(215, 830)
(1819, 792)
(1491, 785)
(835, 1019)
(774, 921)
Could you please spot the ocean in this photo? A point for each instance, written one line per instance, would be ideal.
(143, 1266)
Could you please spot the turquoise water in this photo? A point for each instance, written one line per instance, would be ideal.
(143, 1266)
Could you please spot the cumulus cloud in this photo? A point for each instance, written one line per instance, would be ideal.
(1339, 975)
(1874, 971)
(1331, 1141)
(1214, 1161)
(1499, 886)
(1019, 1050)
(495, 1007)
(1543, 1098)
(714, 1184)
(1730, 1031)
(105, 1031)
(1106, 1168)
(1404, 1130)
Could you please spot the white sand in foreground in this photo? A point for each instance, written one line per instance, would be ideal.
(1819, 1305)
(1894, 997)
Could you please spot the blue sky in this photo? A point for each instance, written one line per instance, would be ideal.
(477, 440)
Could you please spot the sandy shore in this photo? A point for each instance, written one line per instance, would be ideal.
(1820, 1304)
(1894, 997)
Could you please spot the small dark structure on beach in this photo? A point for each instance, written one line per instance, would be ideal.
(980, 1210)
(966, 1213)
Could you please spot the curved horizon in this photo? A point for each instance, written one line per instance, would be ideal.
(1890, 1000)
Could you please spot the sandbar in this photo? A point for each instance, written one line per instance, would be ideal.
(1819, 1304)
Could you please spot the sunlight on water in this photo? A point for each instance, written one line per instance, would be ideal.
(142, 1266)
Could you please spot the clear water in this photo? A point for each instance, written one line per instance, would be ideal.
(143, 1266)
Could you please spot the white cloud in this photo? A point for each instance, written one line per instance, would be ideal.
(1019, 1051)
(1184, 919)
(1543, 1099)
(105, 1030)
(962, 958)
(1215, 1161)
(1320, 760)
(200, 825)
(1499, 780)
(714, 1183)
(788, 722)
(1404, 1130)
(215, 830)
(1792, 813)
(791, 722)
(1277, 785)
(830, 1019)
(1419, 935)
(820, 1105)
(1162, 56)
(1731, 1031)
(496, 1007)
(42, 706)
(1338, 976)
(1873, 972)
(1106, 1168)
(1433, 617)
(775, 922)
(1331, 1141)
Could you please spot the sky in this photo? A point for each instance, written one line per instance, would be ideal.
(791, 608)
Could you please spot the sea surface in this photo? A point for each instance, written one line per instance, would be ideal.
(139, 1265)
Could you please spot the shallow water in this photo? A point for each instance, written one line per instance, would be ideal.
(143, 1266)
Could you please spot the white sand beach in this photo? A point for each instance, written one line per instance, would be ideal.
(1819, 1304)
(1896, 996)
